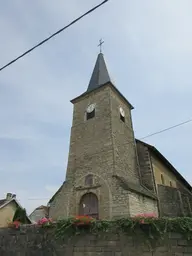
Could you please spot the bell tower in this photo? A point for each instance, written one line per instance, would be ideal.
(102, 163)
(102, 137)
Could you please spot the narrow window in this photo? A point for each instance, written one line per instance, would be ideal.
(91, 114)
(171, 185)
(122, 118)
(162, 179)
(89, 180)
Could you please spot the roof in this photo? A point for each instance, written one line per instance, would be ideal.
(139, 189)
(42, 207)
(4, 202)
(166, 163)
(52, 198)
(100, 74)
(112, 86)
(100, 77)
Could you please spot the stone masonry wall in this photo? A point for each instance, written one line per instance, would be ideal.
(34, 241)
(125, 156)
(146, 169)
(174, 202)
(140, 204)
(170, 201)
(186, 197)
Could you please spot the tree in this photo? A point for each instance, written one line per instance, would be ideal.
(20, 215)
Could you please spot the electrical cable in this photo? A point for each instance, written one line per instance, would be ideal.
(166, 129)
(149, 135)
(56, 33)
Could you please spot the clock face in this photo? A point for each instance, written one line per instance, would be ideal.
(90, 108)
(122, 111)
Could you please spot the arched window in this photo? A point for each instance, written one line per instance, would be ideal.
(162, 179)
(89, 180)
(171, 185)
(89, 205)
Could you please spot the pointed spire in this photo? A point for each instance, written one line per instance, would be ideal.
(100, 74)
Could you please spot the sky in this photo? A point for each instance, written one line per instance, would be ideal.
(149, 56)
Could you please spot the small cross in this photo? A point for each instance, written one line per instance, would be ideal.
(100, 45)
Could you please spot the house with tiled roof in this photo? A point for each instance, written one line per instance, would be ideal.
(39, 213)
(8, 206)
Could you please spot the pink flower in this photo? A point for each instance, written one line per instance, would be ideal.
(44, 221)
(146, 215)
(16, 223)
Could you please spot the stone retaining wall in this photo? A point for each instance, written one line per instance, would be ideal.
(35, 241)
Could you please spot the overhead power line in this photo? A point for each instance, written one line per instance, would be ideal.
(166, 129)
(53, 35)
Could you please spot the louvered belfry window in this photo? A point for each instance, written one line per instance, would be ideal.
(91, 114)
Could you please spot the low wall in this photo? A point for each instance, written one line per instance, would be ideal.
(36, 241)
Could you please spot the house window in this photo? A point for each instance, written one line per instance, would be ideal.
(162, 179)
(89, 180)
(171, 185)
(90, 114)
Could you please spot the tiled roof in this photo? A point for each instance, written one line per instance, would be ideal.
(2, 202)
(42, 207)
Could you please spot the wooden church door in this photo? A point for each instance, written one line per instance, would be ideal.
(89, 205)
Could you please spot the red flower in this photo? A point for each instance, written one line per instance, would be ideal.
(83, 220)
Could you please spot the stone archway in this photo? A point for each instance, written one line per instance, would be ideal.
(89, 205)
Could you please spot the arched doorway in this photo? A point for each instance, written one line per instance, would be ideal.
(89, 205)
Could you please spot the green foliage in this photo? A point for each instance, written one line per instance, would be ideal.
(20, 215)
(151, 228)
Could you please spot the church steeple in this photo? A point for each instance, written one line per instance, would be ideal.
(100, 75)
(102, 156)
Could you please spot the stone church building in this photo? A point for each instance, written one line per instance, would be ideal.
(111, 174)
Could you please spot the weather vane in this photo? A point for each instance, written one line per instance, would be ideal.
(100, 45)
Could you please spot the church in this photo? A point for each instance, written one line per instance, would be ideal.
(110, 174)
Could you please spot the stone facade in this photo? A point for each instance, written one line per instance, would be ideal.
(170, 201)
(173, 202)
(33, 241)
(146, 169)
(102, 146)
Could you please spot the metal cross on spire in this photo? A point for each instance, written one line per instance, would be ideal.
(100, 45)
